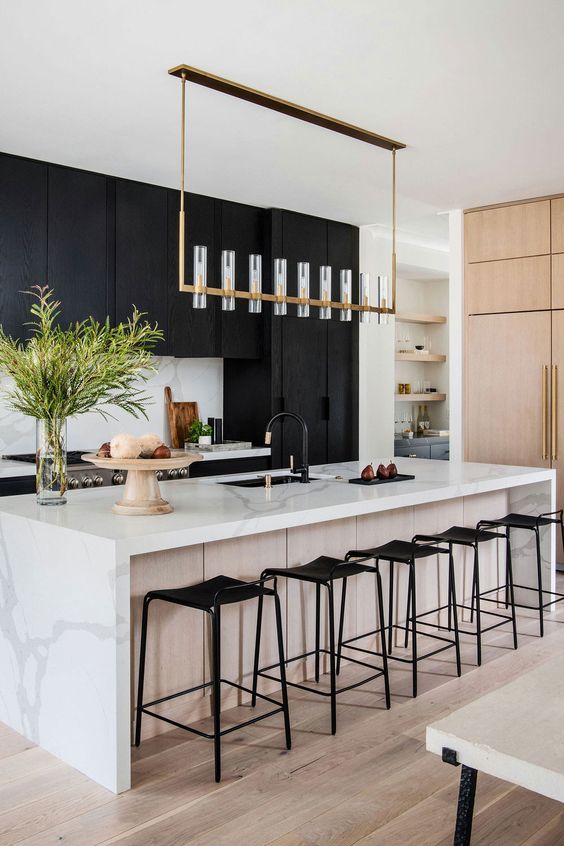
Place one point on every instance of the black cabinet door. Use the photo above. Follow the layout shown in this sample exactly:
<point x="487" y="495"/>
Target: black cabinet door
<point x="304" y="379"/>
<point x="141" y="252"/>
<point x="243" y="229"/>
<point x="304" y="238"/>
<point x="77" y="244"/>
<point x="192" y="333"/>
<point x="23" y="238"/>
<point x="342" y="350"/>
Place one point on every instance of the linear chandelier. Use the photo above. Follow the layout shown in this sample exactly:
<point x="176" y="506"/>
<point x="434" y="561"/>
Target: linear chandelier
<point x="280" y="299"/>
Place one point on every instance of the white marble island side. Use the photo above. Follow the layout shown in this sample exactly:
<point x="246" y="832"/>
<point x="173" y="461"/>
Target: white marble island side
<point x="72" y="581"/>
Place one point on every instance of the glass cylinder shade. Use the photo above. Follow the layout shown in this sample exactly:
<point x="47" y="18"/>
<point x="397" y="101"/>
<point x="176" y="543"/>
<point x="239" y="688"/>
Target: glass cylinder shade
<point x="200" y="276"/>
<point x="346" y="294"/>
<point x="228" y="279"/>
<point x="303" y="288"/>
<point x="364" y="296"/>
<point x="280" y="285"/>
<point x="51" y="461"/>
<point x="255" y="283"/>
<point x="383" y="299"/>
<point x="325" y="291"/>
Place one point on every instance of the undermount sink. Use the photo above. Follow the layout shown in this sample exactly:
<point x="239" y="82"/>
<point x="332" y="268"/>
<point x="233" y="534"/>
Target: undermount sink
<point x="259" y="481"/>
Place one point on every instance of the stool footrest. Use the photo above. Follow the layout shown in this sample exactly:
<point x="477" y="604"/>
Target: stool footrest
<point x="559" y="596"/>
<point x="209" y="736"/>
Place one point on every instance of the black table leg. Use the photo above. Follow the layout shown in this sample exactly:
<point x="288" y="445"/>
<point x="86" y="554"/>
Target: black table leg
<point x="464" y="814"/>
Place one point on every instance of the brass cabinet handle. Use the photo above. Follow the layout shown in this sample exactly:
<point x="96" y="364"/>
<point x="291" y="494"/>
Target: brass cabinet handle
<point x="554" y="416"/>
<point x="544" y="410"/>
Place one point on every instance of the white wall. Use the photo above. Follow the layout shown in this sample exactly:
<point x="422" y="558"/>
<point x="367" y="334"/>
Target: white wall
<point x="456" y="333"/>
<point x="199" y="379"/>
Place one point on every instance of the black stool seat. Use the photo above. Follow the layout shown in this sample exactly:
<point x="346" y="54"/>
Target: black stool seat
<point x="321" y="570"/>
<point x="464" y="535"/>
<point x="523" y="521"/>
<point x="221" y="590"/>
<point x="397" y="550"/>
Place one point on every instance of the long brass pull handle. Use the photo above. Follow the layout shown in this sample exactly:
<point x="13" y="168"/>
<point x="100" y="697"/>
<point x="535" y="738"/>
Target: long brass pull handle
<point x="554" y="434"/>
<point x="544" y="410"/>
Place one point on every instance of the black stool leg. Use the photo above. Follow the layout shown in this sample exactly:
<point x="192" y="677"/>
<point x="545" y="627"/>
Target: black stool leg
<point x="509" y="568"/>
<point x="508" y="558"/>
<point x="282" y="670"/>
<point x="449" y="620"/>
<point x="141" y="684"/>
<point x="478" y="607"/>
<point x="390" y="608"/>
<point x="341" y="625"/>
<point x="216" y="669"/>
<point x="413" y="627"/>
<point x="257" y="651"/>
<point x="539" y="578"/>
<point x="383" y="636"/>
<point x="332" y="672"/>
<point x="473" y="595"/>
<point x="317" y="628"/>
<point x="452" y="598"/>
<point x="407" y="616"/>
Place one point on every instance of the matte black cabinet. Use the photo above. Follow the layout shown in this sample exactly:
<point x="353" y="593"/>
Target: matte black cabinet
<point x="192" y="333"/>
<point x="79" y="245"/>
<point x="141" y="252"/>
<point x="23" y="238"/>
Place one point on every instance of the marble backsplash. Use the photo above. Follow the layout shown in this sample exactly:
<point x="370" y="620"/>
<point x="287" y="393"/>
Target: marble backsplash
<point x="199" y="379"/>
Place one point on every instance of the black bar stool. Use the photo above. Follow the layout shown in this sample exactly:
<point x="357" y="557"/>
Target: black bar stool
<point x="322" y="572"/>
<point x="405" y="552"/>
<point x="532" y="524"/>
<point x="209" y="596"/>
<point x="463" y="536"/>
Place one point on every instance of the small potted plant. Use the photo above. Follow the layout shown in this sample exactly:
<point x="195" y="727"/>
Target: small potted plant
<point x="200" y="433"/>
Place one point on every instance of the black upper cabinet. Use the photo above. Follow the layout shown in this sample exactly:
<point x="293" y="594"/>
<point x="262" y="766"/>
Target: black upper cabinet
<point x="141" y="252"/>
<point x="244" y="229"/>
<point x="23" y="238"/>
<point x="304" y="238"/>
<point x="342" y="350"/>
<point x="78" y="244"/>
<point x="192" y="332"/>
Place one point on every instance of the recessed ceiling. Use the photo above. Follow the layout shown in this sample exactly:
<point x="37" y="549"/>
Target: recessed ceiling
<point x="473" y="88"/>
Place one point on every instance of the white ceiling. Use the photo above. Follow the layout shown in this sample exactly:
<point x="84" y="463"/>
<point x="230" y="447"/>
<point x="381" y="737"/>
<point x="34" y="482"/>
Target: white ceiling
<point x="474" y="87"/>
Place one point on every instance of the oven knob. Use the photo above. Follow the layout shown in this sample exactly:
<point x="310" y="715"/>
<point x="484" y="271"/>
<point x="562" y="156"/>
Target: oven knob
<point x="183" y="473"/>
<point x="173" y="474"/>
<point x="73" y="483"/>
<point x="86" y="482"/>
<point x="98" y="481"/>
<point x="118" y="478"/>
<point x="160" y="475"/>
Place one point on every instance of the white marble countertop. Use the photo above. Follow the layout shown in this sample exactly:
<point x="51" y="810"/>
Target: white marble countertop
<point x="207" y="511"/>
<point x="10" y="469"/>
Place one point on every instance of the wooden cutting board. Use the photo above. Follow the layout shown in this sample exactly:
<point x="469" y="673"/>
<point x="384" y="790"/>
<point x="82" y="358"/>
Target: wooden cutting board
<point x="180" y="416"/>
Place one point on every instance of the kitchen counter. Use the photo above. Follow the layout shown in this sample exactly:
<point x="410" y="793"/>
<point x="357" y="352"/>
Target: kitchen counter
<point x="9" y="469"/>
<point x="72" y="580"/>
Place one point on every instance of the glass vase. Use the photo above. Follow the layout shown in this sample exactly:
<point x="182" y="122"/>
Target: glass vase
<point x="51" y="462"/>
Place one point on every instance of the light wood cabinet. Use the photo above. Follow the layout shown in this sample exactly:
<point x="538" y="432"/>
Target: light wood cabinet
<point x="508" y="232"/>
<point x="521" y="284"/>
<point x="557" y="397"/>
<point x="506" y="354"/>
<point x="557" y="224"/>
<point x="558" y="280"/>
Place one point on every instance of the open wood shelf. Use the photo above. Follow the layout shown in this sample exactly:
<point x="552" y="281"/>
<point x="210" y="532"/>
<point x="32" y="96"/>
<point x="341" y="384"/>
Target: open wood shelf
<point x="412" y="317"/>
<point x="434" y="397"/>
<point x="421" y="357"/>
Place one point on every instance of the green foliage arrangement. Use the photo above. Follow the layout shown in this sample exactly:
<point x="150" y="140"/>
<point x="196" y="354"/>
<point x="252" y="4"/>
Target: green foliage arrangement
<point x="197" y="429"/>
<point x="59" y="373"/>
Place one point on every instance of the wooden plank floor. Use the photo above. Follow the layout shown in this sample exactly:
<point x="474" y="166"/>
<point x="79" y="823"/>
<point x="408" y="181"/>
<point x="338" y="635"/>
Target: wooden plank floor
<point x="373" y="784"/>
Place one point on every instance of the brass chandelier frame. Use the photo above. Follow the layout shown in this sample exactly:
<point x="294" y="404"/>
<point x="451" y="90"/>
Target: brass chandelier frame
<point x="189" y="74"/>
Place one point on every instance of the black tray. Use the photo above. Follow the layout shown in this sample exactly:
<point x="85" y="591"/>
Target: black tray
<point x="401" y="477"/>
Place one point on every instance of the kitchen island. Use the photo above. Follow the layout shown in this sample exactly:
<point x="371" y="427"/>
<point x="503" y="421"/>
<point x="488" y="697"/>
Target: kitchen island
<point x="72" y="580"/>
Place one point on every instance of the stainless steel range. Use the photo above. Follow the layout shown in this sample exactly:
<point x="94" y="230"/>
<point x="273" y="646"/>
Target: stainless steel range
<point x="82" y="474"/>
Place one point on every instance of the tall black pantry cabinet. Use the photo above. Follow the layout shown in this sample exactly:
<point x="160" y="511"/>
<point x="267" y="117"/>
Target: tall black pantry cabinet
<point x="309" y="366"/>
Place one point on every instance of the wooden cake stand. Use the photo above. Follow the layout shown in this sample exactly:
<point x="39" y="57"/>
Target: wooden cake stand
<point x="141" y="494"/>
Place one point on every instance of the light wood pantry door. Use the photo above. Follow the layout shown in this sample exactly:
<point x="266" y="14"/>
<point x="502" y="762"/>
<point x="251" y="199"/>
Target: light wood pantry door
<point x="506" y="357"/>
<point x="557" y="418"/>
